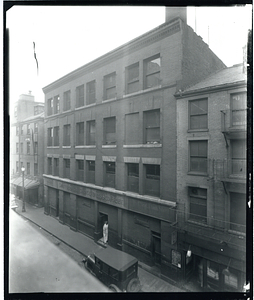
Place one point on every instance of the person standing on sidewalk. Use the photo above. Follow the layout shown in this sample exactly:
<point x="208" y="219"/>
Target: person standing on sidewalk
<point x="105" y="232"/>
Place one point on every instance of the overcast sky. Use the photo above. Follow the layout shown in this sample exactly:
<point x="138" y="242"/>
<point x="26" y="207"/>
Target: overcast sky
<point x="68" y="37"/>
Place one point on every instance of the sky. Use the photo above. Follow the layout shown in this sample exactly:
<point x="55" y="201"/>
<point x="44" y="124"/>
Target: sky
<point x="68" y="37"/>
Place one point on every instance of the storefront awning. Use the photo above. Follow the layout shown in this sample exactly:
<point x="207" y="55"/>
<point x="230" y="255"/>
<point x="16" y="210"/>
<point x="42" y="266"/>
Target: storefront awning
<point x="28" y="183"/>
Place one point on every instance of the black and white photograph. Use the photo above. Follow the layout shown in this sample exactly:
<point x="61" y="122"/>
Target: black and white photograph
<point x="129" y="149"/>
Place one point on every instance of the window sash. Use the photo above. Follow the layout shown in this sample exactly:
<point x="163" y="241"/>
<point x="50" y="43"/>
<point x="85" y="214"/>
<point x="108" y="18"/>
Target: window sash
<point x="91" y="132"/>
<point x="110" y="131"/>
<point x="67" y="100"/>
<point x="91" y="92"/>
<point x="67" y="136"/>
<point x="198" y="114"/>
<point x="80" y="96"/>
<point x="90" y="171"/>
<point x="152" y="68"/>
<point x="238" y="212"/>
<point x="152" y="126"/>
<point x="133" y="178"/>
<point x="56" y="166"/>
<point x="80" y="133"/>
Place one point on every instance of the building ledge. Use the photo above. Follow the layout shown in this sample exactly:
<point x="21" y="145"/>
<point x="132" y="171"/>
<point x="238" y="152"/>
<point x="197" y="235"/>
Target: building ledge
<point x="85" y="146"/>
<point x="114" y="191"/>
<point x="157" y="145"/>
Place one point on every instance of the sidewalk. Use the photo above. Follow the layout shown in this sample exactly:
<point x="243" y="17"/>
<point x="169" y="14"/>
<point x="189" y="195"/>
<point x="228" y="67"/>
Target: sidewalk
<point x="82" y="243"/>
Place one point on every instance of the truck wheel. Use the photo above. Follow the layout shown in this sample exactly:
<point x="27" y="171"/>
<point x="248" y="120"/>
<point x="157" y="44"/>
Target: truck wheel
<point x="114" y="288"/>
<point x="134" y="285"/>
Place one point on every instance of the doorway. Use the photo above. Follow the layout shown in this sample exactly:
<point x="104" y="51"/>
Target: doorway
<point x="156" y="248"/>
<point x="102" y="219"/>
<point x="57" y="203"/>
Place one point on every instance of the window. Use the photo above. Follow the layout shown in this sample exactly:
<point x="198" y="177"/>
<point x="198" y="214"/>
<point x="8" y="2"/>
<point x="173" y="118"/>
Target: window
<point x="198" y="156"/>
<point x="110" y="174"/>
<point x="238" y="212"/>
<point x="90" y="133"/>
<point x="80" y="170"/>
<point x="198" y="114"/>
<point x="22" y="129"/>
<point x="50" y="106"/>
<point x="110" y="130"/>
<point x="17" y="147"/>
<point x="28" y="168"/>
<point x="133" y="177"/>
<point x="238" y="150"/>
<point x="50" y="165"/>
<point x="67" y="163"/>
<point x="35" y="127"/>
<point x="80" y="96"/>
<point x="36" y="111"/>
<point x="17" y="130"/>
<point x="17" y="166"/>
<point x="152" y="68"/>
<point x="198" y="204"/>
<point x="28" y="128"/>
<point x="132" y="78"/>
<point x="90" y="92"/>
<point x="56" y="104"/>
<point x="132" y="129"/>
<point x="50" y="136"/>
<point x="35" y="147"/>
<point x="56" y="136"/>
<point x="35" y="169"/>
<point x="90" y="178"/>
<point x="67" y="135"/>
<point x="28" y="147"/>
<point x="152" y="126"/>
<point x="238" y="106"/>
<point x="67" y="100"/>
<point x="80" y="133"/>
<point x="56" y="166"/>
<point x="152" y="180"/>
<point x="15" y="111"/>
<point x="110" y="86"/>
<point x="21" y="148"/>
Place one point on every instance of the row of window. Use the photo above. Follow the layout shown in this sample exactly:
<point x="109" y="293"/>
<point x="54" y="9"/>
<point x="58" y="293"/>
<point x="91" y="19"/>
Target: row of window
<point x="198" y="112"/>
<point x="28" y="148"/>
<point x="27" y="168"/>
<point x="198" y="208"/>
<point x="151" y="125"/>
<point x="85" y="172"/>
<point x="151" y="78"/>
<point x="28" y="129"/>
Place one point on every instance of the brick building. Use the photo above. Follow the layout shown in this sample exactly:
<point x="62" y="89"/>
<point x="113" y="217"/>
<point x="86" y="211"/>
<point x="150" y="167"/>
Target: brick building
<point x="27" y="149"/>
<point x="211" y="180"/>
<point x="110" y="132"/>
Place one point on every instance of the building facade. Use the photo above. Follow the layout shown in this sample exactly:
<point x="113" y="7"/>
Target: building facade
<point x="27" y="149"/>
<point x="211" y="181"/>
<point x="110" y="138"/>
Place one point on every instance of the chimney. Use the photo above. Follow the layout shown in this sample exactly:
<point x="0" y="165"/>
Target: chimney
<point x="174" y="12"/>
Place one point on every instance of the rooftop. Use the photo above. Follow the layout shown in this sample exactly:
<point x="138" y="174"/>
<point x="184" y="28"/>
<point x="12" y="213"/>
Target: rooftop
<point x="231" y="75"/>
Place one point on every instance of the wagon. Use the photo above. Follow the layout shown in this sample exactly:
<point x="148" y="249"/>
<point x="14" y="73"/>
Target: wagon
<point x="116" y="269"/>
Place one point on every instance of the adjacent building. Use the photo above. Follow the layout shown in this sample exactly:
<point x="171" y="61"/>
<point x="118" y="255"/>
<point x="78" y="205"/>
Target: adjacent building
<point x="211" y="181"/>
<point x="27" y="149"/>
<point x="111" y="137"/>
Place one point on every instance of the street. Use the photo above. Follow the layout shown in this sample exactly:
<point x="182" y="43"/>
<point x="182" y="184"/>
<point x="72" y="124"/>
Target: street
<point x="149" y="282"/>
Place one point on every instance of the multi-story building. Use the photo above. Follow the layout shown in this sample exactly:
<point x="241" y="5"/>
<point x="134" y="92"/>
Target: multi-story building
<point x="110" y="132"/>
<point x="211" y="180"/>
<point x="27" y="149"/>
